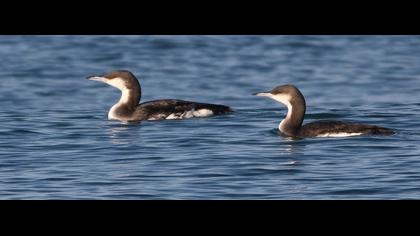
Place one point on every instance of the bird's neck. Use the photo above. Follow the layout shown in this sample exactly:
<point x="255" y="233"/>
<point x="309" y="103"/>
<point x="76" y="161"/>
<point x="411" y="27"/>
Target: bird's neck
<point x="129" y="98"/>
<point x="126" y="105"/>
<point x="291" y="124"/>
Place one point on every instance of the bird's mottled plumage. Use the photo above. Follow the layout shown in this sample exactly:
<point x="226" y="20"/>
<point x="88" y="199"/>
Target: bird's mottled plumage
<point x="329" y="127"/>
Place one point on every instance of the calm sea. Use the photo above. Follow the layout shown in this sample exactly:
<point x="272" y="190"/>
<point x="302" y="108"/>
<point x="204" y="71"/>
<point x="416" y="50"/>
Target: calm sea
<point x="56" y="141"/>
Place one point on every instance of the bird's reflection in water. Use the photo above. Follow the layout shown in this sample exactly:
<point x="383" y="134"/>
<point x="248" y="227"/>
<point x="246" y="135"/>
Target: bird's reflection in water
<point x="289" y="145"/>
<point x="122" y="133"/>
<point x="291" y="148"/>
<point x="293" y="151"/>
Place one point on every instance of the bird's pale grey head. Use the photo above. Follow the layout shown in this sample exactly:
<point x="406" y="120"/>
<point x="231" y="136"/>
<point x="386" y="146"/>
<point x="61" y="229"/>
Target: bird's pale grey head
<point x="282" y="93"/>
<point x="121" y="79"/>
<point x="285" y="89"/>
<point x="126" y="82"/>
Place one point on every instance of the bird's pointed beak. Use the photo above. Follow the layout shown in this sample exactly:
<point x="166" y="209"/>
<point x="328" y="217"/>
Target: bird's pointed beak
<point x="262" y="94"/>
<point x="97" y="78"/>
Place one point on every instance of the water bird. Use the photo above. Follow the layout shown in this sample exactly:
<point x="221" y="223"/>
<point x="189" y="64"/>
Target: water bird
<point x="128" y="109"/>
<point x="291" y="125"/>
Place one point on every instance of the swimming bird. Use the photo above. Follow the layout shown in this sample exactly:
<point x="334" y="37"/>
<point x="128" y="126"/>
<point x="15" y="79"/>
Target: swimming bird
<point x="128" y="108"/>
<point x="292" y="126"/>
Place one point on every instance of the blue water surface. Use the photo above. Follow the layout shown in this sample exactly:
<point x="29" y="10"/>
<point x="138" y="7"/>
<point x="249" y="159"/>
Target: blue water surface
<point x="56" y="141"/>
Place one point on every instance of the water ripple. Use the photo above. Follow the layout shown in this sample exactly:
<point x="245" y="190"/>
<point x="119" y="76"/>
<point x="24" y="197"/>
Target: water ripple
<point x="56" y="141"/>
